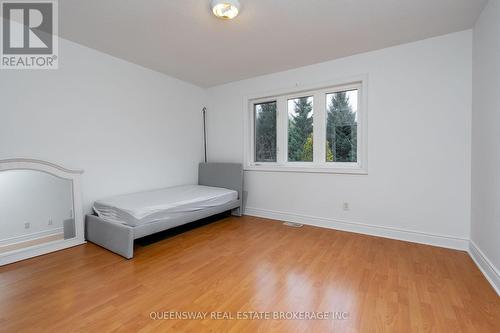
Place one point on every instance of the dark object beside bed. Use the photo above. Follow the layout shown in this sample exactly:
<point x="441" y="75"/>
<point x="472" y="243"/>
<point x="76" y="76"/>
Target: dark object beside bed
<point x="119" y="238"/>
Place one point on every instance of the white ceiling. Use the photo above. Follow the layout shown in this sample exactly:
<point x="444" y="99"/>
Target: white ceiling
<point x="183" y="39"/>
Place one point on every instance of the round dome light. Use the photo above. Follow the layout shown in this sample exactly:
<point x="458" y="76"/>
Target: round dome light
<point x="225" y="9"/>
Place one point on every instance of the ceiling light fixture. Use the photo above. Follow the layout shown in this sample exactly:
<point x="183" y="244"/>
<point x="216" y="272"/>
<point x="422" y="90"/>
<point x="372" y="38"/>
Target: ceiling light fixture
<point x="225" y="9"/>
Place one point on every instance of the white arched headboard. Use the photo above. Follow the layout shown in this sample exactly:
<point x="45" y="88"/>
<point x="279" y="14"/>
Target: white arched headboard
<point x="75" y="224"/>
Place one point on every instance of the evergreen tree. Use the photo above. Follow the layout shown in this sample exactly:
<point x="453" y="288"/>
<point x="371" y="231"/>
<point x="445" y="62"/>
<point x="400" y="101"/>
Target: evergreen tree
<point x="265" y="133"/>
<point x="300" y="128"/>
<point x="341" y="129"/>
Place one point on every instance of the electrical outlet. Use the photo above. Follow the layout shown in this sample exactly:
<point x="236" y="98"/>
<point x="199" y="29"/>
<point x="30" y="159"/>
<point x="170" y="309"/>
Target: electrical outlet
<point x="345" y="206"/>
<point x="50" y="222"/>
<point x="27" y="225"/>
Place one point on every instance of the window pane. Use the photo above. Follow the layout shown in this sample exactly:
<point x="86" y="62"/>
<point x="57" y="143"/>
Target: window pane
<point x="300" y="129"/>
<point x="265" y="132"/>
<point x="342" y="126"/>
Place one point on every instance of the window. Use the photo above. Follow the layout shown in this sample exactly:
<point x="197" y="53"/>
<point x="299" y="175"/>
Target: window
<point x="300" y="129"/>
<point x="342" y="126"/>
<point x="321" y="130"/>
<point x="265" y="132"/>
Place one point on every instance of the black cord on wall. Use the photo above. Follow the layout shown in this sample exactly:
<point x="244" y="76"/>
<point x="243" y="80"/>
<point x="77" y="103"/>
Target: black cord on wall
<point x="205" y="131"/>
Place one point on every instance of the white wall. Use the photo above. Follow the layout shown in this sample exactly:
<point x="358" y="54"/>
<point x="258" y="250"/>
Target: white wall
<point x="419" y="110"/>
<point x="127" y="127"/>
<point x="485" y="231"/>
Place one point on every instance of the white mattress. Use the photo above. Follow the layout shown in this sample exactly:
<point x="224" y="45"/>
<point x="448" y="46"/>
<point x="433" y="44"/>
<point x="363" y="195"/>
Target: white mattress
<point x="147" y="207"/>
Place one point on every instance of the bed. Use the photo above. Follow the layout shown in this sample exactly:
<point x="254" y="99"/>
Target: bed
<point x="118" y="221"/>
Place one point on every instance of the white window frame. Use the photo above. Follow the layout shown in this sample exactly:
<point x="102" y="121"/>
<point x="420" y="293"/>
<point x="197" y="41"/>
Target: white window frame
<point x="318" y="92"/>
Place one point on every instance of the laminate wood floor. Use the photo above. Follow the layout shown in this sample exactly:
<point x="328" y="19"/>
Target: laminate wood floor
<point x="240" y="266"/>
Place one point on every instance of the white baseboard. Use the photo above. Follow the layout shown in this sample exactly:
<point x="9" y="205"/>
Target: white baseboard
<point x="367" y="229"/>
<point x="485" y="265"/>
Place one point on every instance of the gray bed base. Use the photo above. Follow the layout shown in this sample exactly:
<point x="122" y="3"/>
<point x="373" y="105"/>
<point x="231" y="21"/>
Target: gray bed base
<point x="119" y="238"/>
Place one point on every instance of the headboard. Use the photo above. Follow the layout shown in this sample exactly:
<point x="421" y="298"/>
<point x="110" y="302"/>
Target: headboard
<point x="227" y="175"/>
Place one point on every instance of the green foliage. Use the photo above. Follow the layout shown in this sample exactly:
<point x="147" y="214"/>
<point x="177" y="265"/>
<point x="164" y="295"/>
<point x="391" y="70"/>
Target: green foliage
<point x="307" y="150"/>
<point x="265" y="132"/>
<point x="300" y="129"/>
<point x="329" y="153"/>
<point x="341" y="129"/>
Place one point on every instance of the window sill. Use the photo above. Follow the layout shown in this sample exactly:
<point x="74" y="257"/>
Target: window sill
<point x="307" y="169"/>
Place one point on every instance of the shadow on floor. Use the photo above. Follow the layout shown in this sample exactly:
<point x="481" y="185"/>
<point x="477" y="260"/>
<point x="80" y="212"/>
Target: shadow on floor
<point x="159" y="236"/>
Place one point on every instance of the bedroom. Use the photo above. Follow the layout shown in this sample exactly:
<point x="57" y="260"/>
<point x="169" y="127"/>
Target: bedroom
<point x="392" y="216"/>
